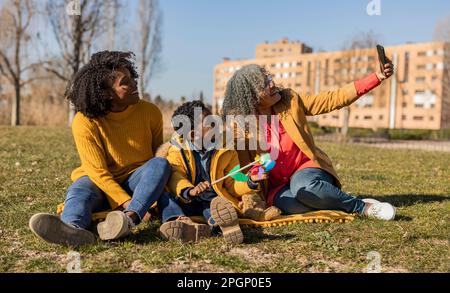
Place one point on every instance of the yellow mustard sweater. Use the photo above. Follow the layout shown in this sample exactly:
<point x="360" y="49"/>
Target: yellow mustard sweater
<point x="114" y="146"/>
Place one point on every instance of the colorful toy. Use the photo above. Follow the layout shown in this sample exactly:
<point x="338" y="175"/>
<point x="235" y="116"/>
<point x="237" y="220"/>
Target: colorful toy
<point x="261" y="165"/>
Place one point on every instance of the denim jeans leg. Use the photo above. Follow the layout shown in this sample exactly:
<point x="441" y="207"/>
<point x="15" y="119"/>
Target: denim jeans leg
<point x="316" y="188"/>
<point x="146" y="185"/>
<point x="206" y="211"/>
<point x="82" y="199"/>
<point x="168" y="207"/>
<point x="288" y="203"/>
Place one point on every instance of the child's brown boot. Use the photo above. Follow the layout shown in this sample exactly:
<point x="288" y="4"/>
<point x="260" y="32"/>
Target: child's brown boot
<point x="225" y="216"/>
<point x="185" y="230"/>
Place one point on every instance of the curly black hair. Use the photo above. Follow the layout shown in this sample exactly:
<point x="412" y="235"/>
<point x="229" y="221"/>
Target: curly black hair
<point x="88" y="89"/>
<point x="187" y="110"/>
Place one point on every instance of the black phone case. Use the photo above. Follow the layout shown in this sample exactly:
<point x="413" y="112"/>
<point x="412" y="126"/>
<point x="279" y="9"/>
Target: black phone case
<point x="381" y="55"/>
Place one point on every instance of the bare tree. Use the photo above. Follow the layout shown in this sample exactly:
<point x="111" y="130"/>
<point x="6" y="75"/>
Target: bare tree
<point x="442" y="30"/>
<point x="349" y="66"/>
<point x="149" y="36"/>
<point x="113" y="7"/>
<point x="75" y="29"/>
<point x="16" y="19"/>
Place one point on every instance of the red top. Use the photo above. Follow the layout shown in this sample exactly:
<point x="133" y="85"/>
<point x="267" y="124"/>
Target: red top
<point x="290" y="158"/>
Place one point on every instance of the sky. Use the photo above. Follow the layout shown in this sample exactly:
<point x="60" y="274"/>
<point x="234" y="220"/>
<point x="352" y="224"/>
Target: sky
<point x="197" y="34"/>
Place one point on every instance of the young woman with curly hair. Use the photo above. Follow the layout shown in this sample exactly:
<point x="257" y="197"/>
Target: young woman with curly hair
<point x="116" y="135"/>
<point x="303" y="179"/>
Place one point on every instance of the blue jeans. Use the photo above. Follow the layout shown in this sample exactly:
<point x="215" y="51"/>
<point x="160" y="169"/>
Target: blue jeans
<point x="146" y="185"/>
<point x="314" y="189"/>
<point x="170" y="207"/>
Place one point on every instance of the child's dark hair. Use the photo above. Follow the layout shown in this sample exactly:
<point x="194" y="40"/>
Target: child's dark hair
<point x="187" y="109"/>
<point x="88" y="88"/>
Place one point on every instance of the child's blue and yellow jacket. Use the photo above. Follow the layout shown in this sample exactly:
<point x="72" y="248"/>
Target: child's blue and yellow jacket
<point x="181" y="158"/>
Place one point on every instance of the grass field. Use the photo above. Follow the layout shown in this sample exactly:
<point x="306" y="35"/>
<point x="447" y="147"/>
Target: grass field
<point x="35" y="164"/>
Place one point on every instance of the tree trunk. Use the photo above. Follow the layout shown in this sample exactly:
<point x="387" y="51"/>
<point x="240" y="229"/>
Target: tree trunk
<point x="77" y="43"/>
<point x="15" y="110"/>
<point x="346" y="114"/>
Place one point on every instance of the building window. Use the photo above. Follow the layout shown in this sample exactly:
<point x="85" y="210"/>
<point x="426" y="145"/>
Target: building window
<point x="298" y="85"/>
<point x="404" y="104"/>
<point x="420" y="79"/>
<point x="365" y="101"/>
<point x="335" y="117"/>
<point x="431" y="118"/>
<point x="368" y="117"/>
<point x="421" y="66"/>
<point x="418" y="118"/>
<point x="298" y="74"/>
<point x="434" y="78"/>
<point x="356" y="117"/>
<point x="286" y="64"/>
<point x="424" y="99"/>
<point x="299" y="63"/>
<point x="380" y="117"/>
<point x="403" y="117"/>
<point x="421" y="54"/>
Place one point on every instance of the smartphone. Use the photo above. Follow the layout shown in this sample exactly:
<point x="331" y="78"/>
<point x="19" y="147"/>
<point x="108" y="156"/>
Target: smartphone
<point x="381" y="56"/>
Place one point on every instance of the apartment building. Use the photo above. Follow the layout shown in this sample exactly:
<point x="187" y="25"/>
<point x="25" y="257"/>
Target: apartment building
<point x="416" y="97"/>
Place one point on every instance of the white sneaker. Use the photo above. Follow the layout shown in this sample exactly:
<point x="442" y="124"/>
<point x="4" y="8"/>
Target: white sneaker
<point x="370" y="200"/>
<point x="382" y="211"/>
<point x="115" y="226"/>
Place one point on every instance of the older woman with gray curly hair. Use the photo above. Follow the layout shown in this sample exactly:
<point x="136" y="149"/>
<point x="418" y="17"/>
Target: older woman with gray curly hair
<point x="303" y="179"/>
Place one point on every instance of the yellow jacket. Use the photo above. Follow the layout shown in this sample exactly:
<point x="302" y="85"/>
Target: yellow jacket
<point x="292" y="110"/>
<point x="222" y="161"/>
<point x="114" y="146"/>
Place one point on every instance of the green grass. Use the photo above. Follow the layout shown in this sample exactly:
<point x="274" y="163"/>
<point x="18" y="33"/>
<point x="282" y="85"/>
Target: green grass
<point x="35" y="164"/>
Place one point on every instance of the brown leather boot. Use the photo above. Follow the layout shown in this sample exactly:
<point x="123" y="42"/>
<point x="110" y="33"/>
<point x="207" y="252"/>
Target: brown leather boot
<point x="184" y="229"/>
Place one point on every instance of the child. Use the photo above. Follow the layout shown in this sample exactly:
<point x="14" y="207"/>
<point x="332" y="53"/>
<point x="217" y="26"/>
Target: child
<point x="194" y="166"/>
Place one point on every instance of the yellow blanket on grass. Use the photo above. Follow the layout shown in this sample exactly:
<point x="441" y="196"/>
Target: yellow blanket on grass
<point x="324" y="216"/>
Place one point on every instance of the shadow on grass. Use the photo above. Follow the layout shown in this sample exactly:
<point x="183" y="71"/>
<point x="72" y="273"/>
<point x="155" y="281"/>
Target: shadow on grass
<point x="401" y="218"/>
<point x="256" y="235"/>
<point x="404" y="200"/>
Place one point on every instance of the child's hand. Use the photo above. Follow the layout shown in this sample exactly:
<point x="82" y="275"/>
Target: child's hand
<point x="201" y="187"/>
<point x="259" y="177"/>
<point x="257" y="173"/>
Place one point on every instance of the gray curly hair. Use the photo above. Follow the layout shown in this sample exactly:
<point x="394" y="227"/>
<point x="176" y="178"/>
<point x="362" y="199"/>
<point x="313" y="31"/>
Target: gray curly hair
<point x="243" y="90"/>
